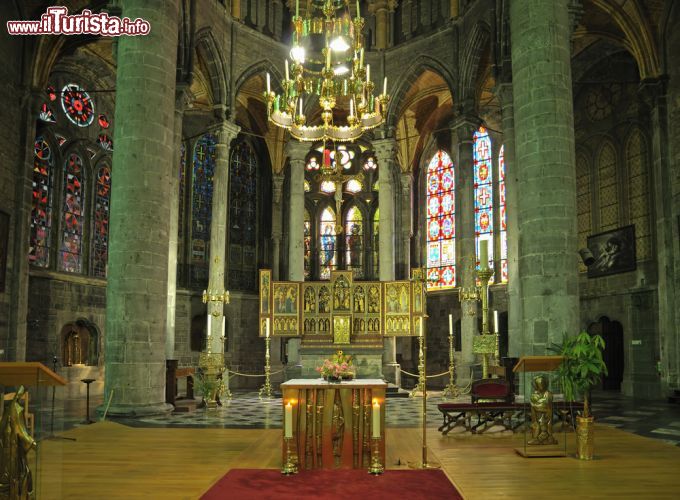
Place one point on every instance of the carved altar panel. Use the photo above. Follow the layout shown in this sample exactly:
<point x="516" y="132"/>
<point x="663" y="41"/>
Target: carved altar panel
<point x="286" y="308"/>
<point x="397" y="307"/>
<point x="341" y="329"/>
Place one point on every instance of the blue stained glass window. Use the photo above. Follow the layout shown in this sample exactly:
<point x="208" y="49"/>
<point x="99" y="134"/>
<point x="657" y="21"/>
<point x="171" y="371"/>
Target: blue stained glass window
<point x="72" y="216"/>
<point x="354" y="236"/>
<point x="441" y="222"/>
<point x="243" y="218"/>
<point x="483" y="192"/>
<point x="41" y="210"/>
<point x="201" y="206"/>
<point x="328" y="256"/>
<point x="100" y="239"/>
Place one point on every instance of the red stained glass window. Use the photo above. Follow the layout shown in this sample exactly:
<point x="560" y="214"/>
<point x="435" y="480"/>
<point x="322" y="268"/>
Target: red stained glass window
<point x="483" y="192"/>
<point x="441" y="222"/>
<point x="41" y="209"/>
<point x="71" y="244"/>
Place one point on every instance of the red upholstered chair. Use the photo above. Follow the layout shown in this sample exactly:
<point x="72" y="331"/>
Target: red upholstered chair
<point x="491" y="390"/>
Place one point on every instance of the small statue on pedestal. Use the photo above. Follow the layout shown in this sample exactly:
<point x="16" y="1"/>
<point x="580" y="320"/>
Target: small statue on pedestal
<point x="541" y="413"/>
<point x="16" y="481"/>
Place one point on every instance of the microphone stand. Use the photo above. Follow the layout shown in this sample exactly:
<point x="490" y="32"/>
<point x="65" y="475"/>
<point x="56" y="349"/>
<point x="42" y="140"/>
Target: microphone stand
<point x="51" y="434"/>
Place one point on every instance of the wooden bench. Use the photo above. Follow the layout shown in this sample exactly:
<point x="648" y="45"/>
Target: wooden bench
<point x="509" y="415"/>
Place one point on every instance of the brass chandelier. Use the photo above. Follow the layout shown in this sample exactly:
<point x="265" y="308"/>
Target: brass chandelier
<point x="335" y="72"/>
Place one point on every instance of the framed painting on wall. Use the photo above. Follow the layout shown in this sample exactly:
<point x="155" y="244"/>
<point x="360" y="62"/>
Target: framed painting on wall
<point x="614" y="252"/>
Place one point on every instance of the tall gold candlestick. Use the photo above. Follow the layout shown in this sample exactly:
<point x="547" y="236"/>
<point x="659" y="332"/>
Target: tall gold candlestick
<point x="266" y="389"/>
<point x="376" y="467"/>
<point x="451" y="390"/>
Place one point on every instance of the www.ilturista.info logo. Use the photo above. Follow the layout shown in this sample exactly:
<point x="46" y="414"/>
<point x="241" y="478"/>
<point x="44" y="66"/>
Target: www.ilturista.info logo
<point x="56" y="21"/>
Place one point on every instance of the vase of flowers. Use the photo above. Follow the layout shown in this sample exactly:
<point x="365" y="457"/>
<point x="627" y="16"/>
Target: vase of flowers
<point x="337" y="368"/>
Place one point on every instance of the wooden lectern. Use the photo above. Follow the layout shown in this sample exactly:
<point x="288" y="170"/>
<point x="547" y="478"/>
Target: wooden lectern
<point x="526" y="365"/>
<point x="28" y="374"/>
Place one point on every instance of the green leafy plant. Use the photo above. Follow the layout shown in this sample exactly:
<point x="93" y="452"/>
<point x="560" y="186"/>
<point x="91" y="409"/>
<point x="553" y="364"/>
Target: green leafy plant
<point x="582" y="367"/>
<point x="208" y="385"/>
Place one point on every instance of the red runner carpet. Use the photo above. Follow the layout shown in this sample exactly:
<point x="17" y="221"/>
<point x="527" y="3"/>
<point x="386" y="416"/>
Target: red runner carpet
<point x="246" y="484"/>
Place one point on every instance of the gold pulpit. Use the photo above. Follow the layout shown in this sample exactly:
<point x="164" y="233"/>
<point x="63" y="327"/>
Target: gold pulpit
<point x="333" y="424"/>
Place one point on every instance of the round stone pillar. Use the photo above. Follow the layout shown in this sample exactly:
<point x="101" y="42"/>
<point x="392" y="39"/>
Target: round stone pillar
<point x="544" y="160"/>
<point x="143" y="161"/>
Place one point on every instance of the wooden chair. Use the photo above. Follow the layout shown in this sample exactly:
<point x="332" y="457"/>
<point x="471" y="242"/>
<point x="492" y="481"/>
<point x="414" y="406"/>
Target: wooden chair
<point x="29" y="417"/>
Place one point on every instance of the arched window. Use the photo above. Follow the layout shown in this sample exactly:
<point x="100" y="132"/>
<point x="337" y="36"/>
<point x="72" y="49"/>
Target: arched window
<point x="71" y="245"/>
<point x="308" y="245"/>
<point x="201" y="207"/>
<point x="638" y="193"/>
<point x="100" y="238"/>
<point x="328" y="256"/>
<point x="376" y="242"/>
<point x="243" y="218"/>
<point x="583" y="204"/>
<point x="41" y="210"/>
<point x="441" y="222"/>
<point x="354" y="235"/>
<point x="503" y="217"/>
<point x="608" y="188"/>
<point x="483" y="191"/>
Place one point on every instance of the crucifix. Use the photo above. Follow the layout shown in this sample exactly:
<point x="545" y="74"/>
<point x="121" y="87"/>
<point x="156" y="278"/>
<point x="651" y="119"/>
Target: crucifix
<point x="334" y="174"/>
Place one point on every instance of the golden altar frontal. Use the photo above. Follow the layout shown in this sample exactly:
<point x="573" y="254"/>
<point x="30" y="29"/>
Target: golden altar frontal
<point x="341" y="312"/>
<point x="332" y="423"/>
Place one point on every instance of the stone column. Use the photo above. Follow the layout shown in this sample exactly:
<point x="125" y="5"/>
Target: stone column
<point x="226" y="133"/>
<point x="236" y="9"/>
<point x="544" y="157"/>
<point x="462" y="131"/>
<point x="296" y="152"/>
<point x="454" y="11"/>
<point x="180" y="104"/>
<point x="136" y="298"/>
<point x="277" y="222"/>
<point x="406" y="230"/>
<point x="654" y="94"/>
<point x="515" y="346"/>
<point x="386" y="152"/>
<point x="381" y="9"/>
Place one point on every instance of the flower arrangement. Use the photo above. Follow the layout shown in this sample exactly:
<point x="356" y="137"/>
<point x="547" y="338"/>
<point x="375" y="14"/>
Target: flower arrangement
<point x="338" y="366"/>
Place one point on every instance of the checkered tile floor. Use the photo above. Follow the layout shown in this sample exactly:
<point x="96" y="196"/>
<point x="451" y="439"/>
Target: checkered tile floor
<point x="653" y="419"/>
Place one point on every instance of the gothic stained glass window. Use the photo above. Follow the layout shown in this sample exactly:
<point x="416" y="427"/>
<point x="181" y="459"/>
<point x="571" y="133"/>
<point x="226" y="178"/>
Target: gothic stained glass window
<point x="608" y="187"/>
<point x="483" y="192"/>
<point x="308" y="244"/>
<point x="181" y="188"/>
<point x="41" y="210"/>
<point x="100" y="238"/>
<point x="201" y="206"/>
<point x="243" y="218"/>
<point x="77" y="105"/>
<point x="441" y="222"/>
<point x="638" y="193"/>
<point x="328" y="258"/>
<point x="503" y="216"/>
<point x="376" y="243"/>
<point x="72" y="216"/>
<point x="354" y="234"/>
<point x="583" y="204"/>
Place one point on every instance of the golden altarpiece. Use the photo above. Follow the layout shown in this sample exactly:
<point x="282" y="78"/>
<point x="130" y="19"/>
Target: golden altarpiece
<point x="342" y="314"/>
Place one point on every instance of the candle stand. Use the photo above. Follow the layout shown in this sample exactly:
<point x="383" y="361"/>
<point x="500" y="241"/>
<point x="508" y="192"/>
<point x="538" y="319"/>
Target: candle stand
<point x="420" y="386"/>
<point x="266" y="389"/>
<point x="451" y="390"/>
<point x="290" y="465"/>
<point x="376" y="467"/>
<point x="213" y="364"/>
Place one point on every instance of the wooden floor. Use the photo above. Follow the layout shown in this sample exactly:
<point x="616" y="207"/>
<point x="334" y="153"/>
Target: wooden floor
<point x="110" y="461"/>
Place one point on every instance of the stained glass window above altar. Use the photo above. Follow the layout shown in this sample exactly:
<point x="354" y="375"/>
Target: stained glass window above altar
<point x="328" y="256"/>
<point x="354" y="235"/>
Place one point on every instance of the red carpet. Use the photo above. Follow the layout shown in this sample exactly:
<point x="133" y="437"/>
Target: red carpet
<point x="246" y="484"/>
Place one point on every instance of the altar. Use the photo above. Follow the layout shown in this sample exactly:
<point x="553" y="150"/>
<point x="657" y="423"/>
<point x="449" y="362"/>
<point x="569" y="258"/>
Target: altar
<point x="334" y="425"/>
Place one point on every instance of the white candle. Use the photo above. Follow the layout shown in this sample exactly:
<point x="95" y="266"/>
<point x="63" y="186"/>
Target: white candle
<point x="376" y="419"/>
<point x="300" y="106"/>
<point x="269" y="85"/>
<point x="223" y="326"/>
<point x="297" y="8"/>
<point x="451" y="324"/>
<point x="328" y="57"/>
<point x="267" y="328"/>
<point x="368" y="73"/>
<point x="495" y="321"/>
<point x="420" y="329"/>
<point x="209" y="324"/>
<point x="351" y="107"/>
<point x="361" y="57"/>
<point x="288" y="421"/>
<point x="358" y="9"/>
<point x="286" y="60"/>
<point x="384" y="86"/>
<point x="483" y="254"/>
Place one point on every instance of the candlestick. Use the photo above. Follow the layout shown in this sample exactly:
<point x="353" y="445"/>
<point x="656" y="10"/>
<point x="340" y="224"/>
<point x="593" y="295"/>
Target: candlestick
<point x="269" y="86"/>
<point x="483" y="254"/>
<point x="385" y="86"/>
<point x="288" y="421"/>
<point x="495" y="321"/>
<point x="376" y="419"/>
<point x="287" y="75"/>
<point x="300" y="114"/>
<point x="351" y="107"/>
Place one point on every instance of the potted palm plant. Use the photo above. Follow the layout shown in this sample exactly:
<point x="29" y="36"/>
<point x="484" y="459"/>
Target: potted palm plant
<point x="580" y="371"/>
